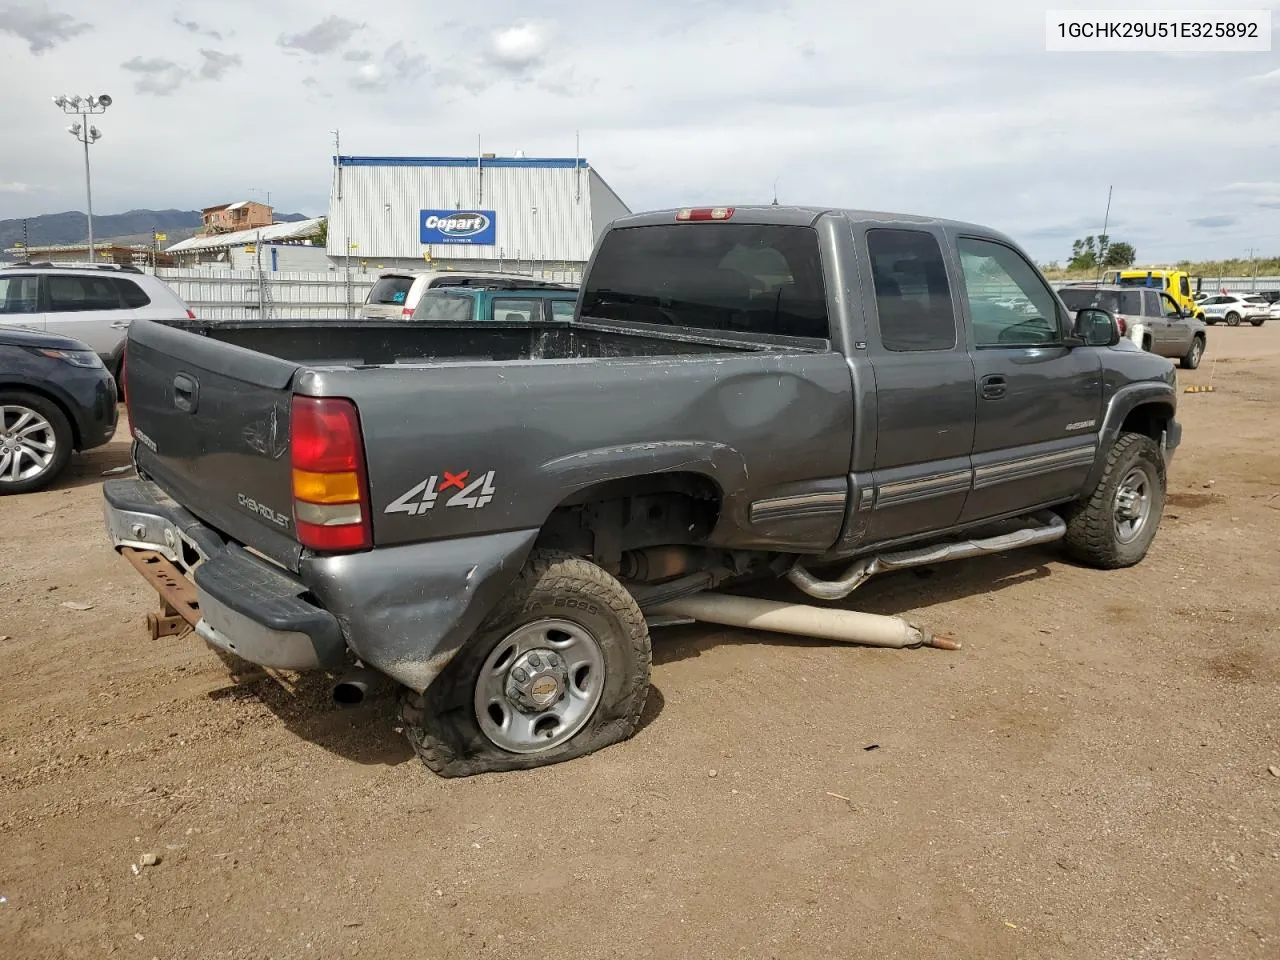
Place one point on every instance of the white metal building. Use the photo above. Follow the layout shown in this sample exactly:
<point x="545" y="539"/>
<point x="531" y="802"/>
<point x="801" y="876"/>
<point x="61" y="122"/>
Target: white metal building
<point x="540" y="215"/>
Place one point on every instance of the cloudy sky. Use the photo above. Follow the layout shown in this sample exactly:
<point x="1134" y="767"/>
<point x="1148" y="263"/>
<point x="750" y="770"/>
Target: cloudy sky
<point x="929" y="107"/>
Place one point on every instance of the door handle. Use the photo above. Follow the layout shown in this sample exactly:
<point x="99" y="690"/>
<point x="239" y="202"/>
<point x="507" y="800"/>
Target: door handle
<point x="994" y="387"/>
<point x="186" y="393"/>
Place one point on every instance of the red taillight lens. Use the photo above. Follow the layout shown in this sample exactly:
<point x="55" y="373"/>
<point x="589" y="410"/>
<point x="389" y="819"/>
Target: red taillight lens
<point x="331" y="491"/>
<point x="191" y="314"/>
<point x="1123" y="325"/>
<point x="406" y="313"/>
<point x="704" y="213"/>
<point x="325" y="435"/>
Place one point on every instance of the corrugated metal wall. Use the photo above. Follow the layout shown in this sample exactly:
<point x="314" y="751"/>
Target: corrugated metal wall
<point x="543" y="214"/>
<point x="216" y="293"/>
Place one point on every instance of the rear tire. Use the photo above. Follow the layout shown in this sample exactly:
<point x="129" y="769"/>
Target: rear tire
<point x="1192" y="359"/>
<point x="558" y="603"/>
<point x="1258" y="323"/>
<point x="35" y="441"/>
<point x="1114" y="526"/>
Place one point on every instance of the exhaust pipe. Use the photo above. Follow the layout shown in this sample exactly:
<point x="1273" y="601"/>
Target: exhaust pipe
<point x="351" y="689"/>
<point x="845" y="626"/>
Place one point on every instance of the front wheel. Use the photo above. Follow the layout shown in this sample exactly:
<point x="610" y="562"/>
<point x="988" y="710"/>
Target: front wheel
<point x="1113" y="527"/>
<point x="1233" y="319"/>
<point x="558" y="670"/>
<point x="1192" y="358"/>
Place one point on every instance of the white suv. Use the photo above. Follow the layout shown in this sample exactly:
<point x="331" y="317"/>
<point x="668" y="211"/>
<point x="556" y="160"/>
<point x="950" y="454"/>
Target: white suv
<point x="1231" y="308"/>
<point x="396" y="293"/>
<point x="93" y="303"/>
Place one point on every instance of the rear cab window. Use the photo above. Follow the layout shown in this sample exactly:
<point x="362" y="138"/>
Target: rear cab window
<point x="562" y="309"/>
<point x="390" y="291"/>
<point x="913" y="298"/>
<point x="736" y="277"/>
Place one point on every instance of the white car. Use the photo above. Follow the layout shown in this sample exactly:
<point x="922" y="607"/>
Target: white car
<point x="1231" y="309"/>
<point x="93" y="303"/>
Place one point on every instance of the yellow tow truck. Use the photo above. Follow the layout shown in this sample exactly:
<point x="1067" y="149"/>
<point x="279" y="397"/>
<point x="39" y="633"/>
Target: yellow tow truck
<point x="1177" y="283"/>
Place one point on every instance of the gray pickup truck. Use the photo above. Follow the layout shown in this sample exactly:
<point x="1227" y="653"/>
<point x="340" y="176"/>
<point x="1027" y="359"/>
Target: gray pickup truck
<point x="485" y="512"/>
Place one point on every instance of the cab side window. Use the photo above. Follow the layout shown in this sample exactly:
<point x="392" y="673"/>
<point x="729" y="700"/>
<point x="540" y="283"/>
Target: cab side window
<point x="1009" y="303"/>
<point x="1169" y="308"/>
<point x="913" y="298"/>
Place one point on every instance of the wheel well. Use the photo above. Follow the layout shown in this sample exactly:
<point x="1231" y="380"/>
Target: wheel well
<point x="605" y="520"/>
<point x="45" y="394"/>
<point x="1149" y="419"/>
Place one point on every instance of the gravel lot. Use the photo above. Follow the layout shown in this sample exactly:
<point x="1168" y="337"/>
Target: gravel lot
<point x="1088" y="777"/>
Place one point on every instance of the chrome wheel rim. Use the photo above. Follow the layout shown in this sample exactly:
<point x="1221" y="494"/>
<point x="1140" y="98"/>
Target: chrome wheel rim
<point x="1197" y="348"/>
<point x="1132" y="508"/>
<point x="27" y="443"/>
<point x="539" y="686"/>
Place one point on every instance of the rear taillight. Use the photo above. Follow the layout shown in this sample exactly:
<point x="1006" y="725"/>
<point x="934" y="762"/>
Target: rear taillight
<point x="1123" y="324"/>
<point x="406" y="313"/>
<point x="705" y="213"/>
<point x="191" y="314"/>
<point x="330" y="489"/>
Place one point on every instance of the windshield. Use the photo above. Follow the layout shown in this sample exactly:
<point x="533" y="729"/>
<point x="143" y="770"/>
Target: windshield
<point x="1117" y="301"/>
<point x="757" y="278"/>
<point x="391" y="291"/>
<point x="1157" y="283"/>
<point x="443" y="306"/>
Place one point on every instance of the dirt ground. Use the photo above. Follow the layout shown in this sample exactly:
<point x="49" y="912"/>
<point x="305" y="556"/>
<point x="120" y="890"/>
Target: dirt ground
<point x="1088" y="777"/>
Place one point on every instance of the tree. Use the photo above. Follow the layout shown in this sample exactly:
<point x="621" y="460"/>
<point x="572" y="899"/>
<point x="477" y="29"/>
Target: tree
<point x="1120" y="254"/>
<point x="321" y="237"/>
<point x="1084" y="254"/>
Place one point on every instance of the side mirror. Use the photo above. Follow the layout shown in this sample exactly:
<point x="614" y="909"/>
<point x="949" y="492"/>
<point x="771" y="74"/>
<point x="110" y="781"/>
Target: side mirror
<point x="1097" y="327"/>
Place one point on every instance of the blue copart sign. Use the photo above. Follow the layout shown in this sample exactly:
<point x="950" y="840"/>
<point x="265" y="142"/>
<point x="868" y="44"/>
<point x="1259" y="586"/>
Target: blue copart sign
<point x="459" y="226"/>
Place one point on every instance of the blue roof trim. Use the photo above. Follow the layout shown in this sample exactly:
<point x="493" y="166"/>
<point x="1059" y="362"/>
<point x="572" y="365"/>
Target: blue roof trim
<point x="531" y="162"/>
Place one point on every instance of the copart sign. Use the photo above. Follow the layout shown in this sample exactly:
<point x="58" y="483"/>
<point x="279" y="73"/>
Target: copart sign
<point x="459" y="226"/>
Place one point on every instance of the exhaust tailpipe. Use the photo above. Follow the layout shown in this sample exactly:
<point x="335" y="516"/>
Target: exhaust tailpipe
<point x="352" y="688"/>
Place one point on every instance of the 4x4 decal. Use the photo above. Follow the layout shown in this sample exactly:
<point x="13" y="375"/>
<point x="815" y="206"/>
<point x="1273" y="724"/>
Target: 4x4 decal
<point x="423" y="496"/>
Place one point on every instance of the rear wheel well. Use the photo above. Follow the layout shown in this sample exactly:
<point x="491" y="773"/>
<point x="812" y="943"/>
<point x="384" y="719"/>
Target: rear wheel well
<point x="45" y="394"/>
<point x="608" y="519"/>
<point x="1149" y="419"/>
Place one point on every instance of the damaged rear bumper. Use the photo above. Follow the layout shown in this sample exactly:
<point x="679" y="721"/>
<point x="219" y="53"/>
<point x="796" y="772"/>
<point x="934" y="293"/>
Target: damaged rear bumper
<point x="403" y="610"/>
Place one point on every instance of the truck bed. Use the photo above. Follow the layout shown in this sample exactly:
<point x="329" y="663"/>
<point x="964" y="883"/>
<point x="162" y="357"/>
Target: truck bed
<point x="370" y="343"/>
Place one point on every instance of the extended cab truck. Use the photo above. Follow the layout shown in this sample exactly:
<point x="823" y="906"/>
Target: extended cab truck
<point x="484" y="511"/>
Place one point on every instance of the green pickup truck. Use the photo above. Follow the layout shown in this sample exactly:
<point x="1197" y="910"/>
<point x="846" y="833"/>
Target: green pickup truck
<point x="467" y="303"/>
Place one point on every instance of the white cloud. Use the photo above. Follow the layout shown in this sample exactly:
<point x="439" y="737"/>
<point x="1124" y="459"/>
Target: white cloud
<point x="520" y="45"/>
<point x="14" y="187"/>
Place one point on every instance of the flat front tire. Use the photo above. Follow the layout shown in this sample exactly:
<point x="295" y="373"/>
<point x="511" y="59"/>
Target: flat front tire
<point x="1116" y="523"/>
<point x="558" y="670"/>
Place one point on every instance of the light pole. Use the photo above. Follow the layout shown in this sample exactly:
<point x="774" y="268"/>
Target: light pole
<point x="86" y="133"/>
